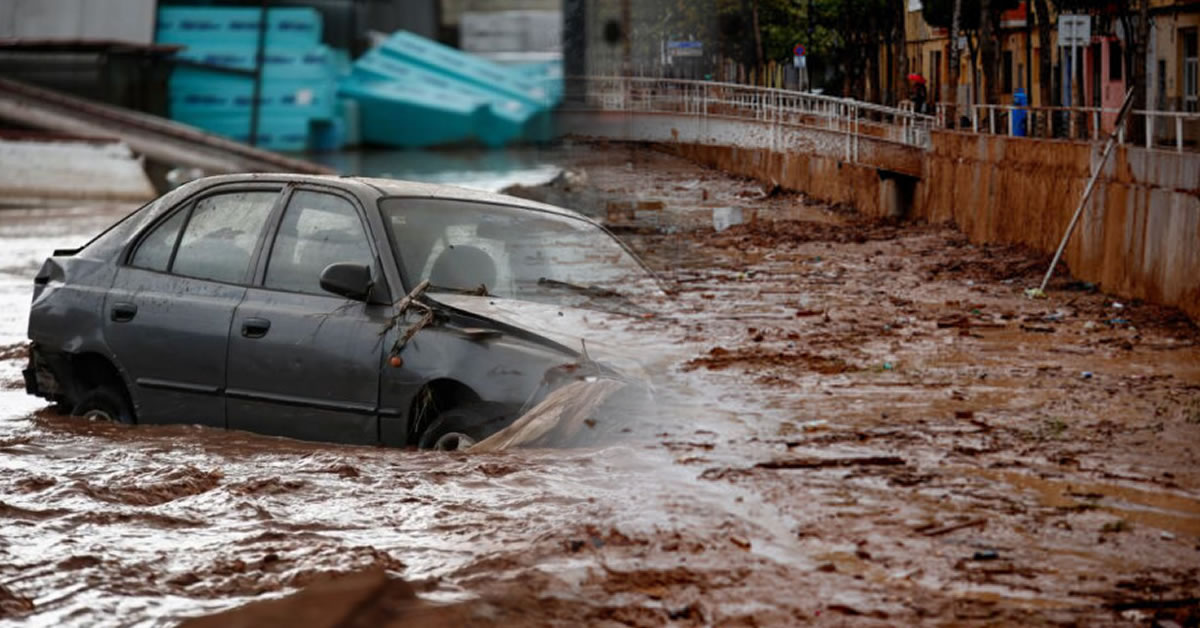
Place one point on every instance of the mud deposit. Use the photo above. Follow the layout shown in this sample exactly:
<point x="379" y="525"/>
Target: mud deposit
<point x="867" y="423"/>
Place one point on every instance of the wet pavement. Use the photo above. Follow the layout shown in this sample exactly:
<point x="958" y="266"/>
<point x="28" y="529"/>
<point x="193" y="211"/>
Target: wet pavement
<point x="865" y="423"/>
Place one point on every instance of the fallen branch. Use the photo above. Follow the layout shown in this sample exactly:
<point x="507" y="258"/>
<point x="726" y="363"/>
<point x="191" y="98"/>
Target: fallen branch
<point x="1135" y="604"/>
<point x="822" y="463"/>
<point x="957" y="526"/>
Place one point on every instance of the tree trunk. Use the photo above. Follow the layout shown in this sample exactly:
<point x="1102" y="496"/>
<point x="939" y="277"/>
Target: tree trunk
<point x="973" y="51"/>
<point x="758" y="48"/>
<point x="900" y="52"/>
<point x="1045" y="67"/>
<point x="987" y="45"/>
<point x="1137" y="71"/>
<point x="955" y="65"/>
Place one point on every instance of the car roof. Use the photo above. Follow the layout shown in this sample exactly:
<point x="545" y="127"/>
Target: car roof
<point x="397" y="187"/>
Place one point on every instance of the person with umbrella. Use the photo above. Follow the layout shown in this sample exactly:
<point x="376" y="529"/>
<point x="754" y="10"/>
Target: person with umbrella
<point x="919" y="93"/>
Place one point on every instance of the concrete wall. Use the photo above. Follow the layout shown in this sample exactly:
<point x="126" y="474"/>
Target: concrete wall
<point x="126" y="20"/>
<point x="1139" y="236"/>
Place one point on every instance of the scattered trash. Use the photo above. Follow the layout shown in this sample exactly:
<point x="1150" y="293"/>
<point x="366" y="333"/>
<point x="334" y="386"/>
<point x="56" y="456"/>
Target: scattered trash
<point x="1035" y="293"/>
<point x="726" y="217"/>
<point x="1120" y="525"/>
<point x="1114" y="322"/>
<point x="740" y="542"/>
<point x="1090" y="325"/>
<point x="985" y="555"/>
<point x="888" y="366"/>
<point x="812" y="426"/>
<point x="1166" y="535"/>
<point x="1086" y="375"/>
<point x="1118" y="306"/>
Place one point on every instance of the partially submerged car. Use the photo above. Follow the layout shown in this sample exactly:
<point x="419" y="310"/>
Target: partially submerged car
<point x="333" y="308"/>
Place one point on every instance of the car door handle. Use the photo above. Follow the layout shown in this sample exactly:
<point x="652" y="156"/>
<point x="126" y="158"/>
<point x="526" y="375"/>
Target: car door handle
<point x="255" y="327"/>
<point x="123" y="312"/>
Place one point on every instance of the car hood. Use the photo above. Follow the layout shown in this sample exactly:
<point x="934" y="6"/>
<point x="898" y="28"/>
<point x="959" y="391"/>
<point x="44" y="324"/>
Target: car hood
<point x="609" y="337"/>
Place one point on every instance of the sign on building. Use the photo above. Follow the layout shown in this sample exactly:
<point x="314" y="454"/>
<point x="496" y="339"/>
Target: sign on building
<point x="685" y="49"/>
<point x="1074" y="30"/>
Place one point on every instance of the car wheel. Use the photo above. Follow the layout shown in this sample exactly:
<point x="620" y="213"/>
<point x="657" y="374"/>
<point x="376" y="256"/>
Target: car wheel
<point x="103" y="404"/>
<point x="459" y="428"/>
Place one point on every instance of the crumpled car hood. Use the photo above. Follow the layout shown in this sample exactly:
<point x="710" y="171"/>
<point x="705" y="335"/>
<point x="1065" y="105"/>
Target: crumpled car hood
<point x="607" y="335"/>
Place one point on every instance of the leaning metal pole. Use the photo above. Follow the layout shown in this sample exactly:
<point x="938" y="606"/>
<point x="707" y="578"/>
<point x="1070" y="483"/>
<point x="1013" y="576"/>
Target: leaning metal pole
<point x="1087" y="192"/>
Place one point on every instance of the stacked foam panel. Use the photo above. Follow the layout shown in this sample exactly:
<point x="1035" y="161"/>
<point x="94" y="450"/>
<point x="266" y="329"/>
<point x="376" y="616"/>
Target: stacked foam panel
<point x="415" y="92"/>
<point x="299" y="75"/>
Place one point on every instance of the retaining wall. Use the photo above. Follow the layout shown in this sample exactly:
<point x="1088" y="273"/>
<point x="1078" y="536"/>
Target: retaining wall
<point x="1139" y="237"/>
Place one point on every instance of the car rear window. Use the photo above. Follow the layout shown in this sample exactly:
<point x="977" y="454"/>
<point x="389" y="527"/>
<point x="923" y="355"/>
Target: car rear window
<point x="221" y="234"/>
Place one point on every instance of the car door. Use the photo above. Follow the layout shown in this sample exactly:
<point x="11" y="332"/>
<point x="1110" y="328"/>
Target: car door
<point x="304" y="362"/>
<point x="169" y="309"/>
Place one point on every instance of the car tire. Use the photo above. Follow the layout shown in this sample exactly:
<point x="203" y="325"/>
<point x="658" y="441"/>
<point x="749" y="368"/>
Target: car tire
<point x="458" y="428"/>
<point x="104" y="404"/>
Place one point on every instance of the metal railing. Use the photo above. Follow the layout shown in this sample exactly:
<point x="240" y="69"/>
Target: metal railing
<point x="851" y="118"/>
<point x="855" y="119"/>
<point x="1178" y="130"/>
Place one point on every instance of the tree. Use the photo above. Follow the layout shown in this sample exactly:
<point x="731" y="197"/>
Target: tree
<point x="940" y="13"/>
<point x="1042" y="11"/>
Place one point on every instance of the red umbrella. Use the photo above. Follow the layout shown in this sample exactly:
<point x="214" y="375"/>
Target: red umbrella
<point x="916" y="78"/>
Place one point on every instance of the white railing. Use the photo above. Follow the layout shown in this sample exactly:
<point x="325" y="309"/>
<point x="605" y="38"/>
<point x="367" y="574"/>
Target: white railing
<point x="1179" y="130"/>
<point x="851" y="118"/>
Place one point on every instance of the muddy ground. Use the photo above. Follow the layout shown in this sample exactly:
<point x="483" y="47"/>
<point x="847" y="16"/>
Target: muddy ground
<point x="867" y="424"/>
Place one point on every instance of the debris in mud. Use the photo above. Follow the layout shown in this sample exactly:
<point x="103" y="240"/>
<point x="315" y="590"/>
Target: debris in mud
<point x="719" y="358"/>
<point x="12" y="605"/>
<point x="936" y="530"/>
<point x="18" y="351"/>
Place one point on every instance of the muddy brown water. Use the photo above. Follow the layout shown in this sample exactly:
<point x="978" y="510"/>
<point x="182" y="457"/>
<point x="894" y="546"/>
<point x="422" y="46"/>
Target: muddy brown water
<point x="865" y="423"/>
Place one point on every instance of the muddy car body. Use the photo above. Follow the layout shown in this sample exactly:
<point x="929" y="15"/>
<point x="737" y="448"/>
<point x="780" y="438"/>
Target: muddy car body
<point x="323" y="308"/>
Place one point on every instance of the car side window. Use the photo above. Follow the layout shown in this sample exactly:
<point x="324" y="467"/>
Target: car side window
<point x="317" y="230"/>
<point x="154" y="252"/>
<point x="221" y="234"/>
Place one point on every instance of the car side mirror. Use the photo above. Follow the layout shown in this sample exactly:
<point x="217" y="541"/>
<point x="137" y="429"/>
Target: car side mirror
<point x="352" y="281"/>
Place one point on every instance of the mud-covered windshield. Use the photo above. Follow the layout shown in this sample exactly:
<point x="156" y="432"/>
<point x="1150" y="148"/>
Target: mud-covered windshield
<point x="470" y="247"/>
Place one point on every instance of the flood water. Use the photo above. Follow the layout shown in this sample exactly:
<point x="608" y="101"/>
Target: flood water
<point x="854" y="414"/>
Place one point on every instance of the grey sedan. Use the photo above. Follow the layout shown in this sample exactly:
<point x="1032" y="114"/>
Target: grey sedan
<point x="337" y="309"/>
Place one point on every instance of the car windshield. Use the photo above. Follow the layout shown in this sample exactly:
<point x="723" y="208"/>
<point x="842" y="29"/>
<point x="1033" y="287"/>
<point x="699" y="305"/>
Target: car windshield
<point x="475" y="248"/>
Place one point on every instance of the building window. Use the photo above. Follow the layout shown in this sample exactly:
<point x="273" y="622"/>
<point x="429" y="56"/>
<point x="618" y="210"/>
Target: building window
<point x="1006" y="72"/>
<point x="1115" y="60"/>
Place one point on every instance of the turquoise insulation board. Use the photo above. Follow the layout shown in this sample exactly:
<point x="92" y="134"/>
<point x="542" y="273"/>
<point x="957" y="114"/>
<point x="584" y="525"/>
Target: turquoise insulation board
<point x="237" y="26"/>
<point x="316" y="62"/>
<point x="502" y="120"/>
<point x="468" y="68"/>
<point x="192" y="90"/>
<point x="395" y="113"/>
<point x="275" y="132"/>
<point x="299" y="74"/>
